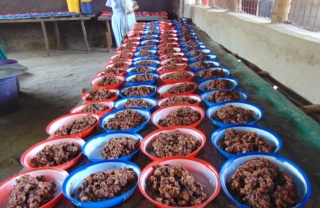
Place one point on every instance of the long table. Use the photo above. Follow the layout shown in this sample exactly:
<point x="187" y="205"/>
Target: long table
<point x="138" y="18"/>
<point x="55" y="20"/>
<point x="297" y="131"/>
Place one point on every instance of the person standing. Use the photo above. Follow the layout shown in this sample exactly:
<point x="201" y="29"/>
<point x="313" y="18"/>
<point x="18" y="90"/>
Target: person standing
<point x="123" y="17"/>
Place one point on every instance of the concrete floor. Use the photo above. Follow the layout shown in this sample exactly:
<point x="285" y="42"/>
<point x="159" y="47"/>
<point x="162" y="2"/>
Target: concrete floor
<point x="49" y="89"/>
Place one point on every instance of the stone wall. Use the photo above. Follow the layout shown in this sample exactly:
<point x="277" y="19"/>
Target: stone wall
<point x="289" y="54"/>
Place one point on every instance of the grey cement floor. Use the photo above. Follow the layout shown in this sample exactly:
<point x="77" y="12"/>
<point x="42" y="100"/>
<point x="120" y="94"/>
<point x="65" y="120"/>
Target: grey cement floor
<point x="49" y="89"/>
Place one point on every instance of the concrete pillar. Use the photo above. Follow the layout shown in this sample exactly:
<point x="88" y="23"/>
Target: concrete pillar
<point x="234" y="5"/>
<point x="280" y="11"/>
<point x="213" y="4"/>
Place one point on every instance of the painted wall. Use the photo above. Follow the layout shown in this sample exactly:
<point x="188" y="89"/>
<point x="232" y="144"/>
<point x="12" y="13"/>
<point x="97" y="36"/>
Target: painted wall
<point x="291" y="55"/>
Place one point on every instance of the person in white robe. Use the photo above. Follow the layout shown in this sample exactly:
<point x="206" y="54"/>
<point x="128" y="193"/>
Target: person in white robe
<point x="118" y="20"/>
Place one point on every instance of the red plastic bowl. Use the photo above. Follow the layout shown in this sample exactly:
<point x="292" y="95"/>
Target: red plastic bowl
<point x="163" y="112"/>
<point x="146" y="144"/>
<point x="193" y="96"/>
<point x="66" y="119"/>
<point x="32" y="151"/>
<point x="55" y="175"/>
<point x="183" y="60"/>
<point x="201" y="170"/>
<point x="162" y="52"/>
<point x="117" y="55"/>
<point x="176" y="55"/>
<point x="86" y="94"/>
<point x="166" y="81"/>
<point x="181" y="67"/>
<point x="163" y="89"/>
<point x="128" y="64"/>
<point x="110" y="104"/>
<point x="103" y="72"/>
<point x="94" y="81"/>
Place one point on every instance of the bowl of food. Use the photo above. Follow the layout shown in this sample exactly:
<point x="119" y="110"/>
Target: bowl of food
<point x="178" y="116"/>
<point x="278" y="181"/>
<point x="112" y="146"/>
<point x="174" y="60"/>
<point x="138" y="91"/>
<point x="147" y="62"/>
<point x="119" y="65"/>
<point x="60" y="152"/>
<point x="215" y="97"/>
<point x="174" y="77"/>
<point x="150" y="42"/>
<point x="147" y="103"/>
<point x="205" y="64"/>
<point x="172" y="68"/>
<point x="140" y="70"/>
<point x="77" y="124"/>
<point x="100" y="95"/>
<point x="203" y="175"/>
<point x="108" y="81"/>
<point x="180" y="88"/>
<point x="46" y="181"/>
<point x="234" y="113"/>
<point x="99" y="108"/>
<point x="240" y="139"/>
<point x="212" y="73"/>
<point x="202" y="57"/>
<point x="197" y="52"/>
<point x="218" y="83"/>
<point x="167" y="50"/>
<point x="184" y="141"/>
<point x="172" y="55"/>
<point x="191" y="99"/>
<point x="142" y="78"/>
<point x="76" y="187"/>
<point x="133" y="119"/>
<point x="112" y="70"/>
<point x="121" y="56"/>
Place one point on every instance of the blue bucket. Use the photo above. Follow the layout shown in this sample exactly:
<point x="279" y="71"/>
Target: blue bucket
<point x="86" y="8"/>
<point x="8" y="95"/>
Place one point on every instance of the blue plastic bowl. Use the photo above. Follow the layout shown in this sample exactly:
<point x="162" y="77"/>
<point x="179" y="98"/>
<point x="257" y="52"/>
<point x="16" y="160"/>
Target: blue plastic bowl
<point x="145" y="42"/>
<point x="206" y="50"/>
<point x="211" y="57"/>
<point x="257" y="112"/>
<point x="145" y="113"/>
<point x="138" y="63"/>
<point x="92" y="149"/>
<point x="202" y="85"/>
<point x="148" y="47"/>
<point x="225" y="70"/>
<point x="131" y="72"/>
<point x="267" y="135"/>
<point x="182" y="44"/>
<point x="150" y="95"/>
<point x="129" y="78"/>
<point x="76" y="177"/>
<point x="153" y="57"/>
<point x="137" y="54"/>
<point x="185" y="50"/>
<point x="120" y="103"/>
<point x="298" y="175"/>
<point x="205" y="97"/>
<point x="145" y="37"/>
<point x="196" y="70"/>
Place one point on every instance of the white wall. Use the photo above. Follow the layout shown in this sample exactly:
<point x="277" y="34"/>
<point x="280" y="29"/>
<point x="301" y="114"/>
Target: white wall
<point x="291" y="55"/>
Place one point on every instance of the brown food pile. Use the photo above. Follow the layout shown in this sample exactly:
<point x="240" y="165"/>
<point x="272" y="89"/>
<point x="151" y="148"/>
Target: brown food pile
<point x="171" y="55"/>
<point x="234" y="115"/>
<point x="120" y="64"/>
<point x="149" y="57"/>
<point x="259" y="183"/>
<point x="123" y="56"/>
<point x="76" y="126"/>
<point x="94" y="108"/>
<point x="201" y="57"/>
<point x="196" y="52"/>
<point x="148" y="37"/>
<point x="173" y="185"/>
<point x="143" y="77"/>
<point x="174" y="61"/>
<point x="178" y="100"/>
<point x="119" y="147"/>
<point x="145" y="52"/>
<point x="209" y="73"/>
<point x="30" y="191"/>
<point x="219" y="84"/>
<point x="126" y="119"/>
<point x="142" y="69"/>
<point x="170" y="67"/>
<point x="174" y="143"/>
<point x="193" y="47"/>
<point x="100" y="94"/>
<point x="168" y="50"/>
<point x="151" y="42"/>
<point x="146" y="63"/>
<point x="224" y="95"/>
<point x="177" y="75"/>
<point x="236" y="142"/>
<point x="180" y="88"/>
<point x="108" y="80"/>
<point x="139" y="103"/>
<point x="113" y="70"/>
<point x="56" y="154"/>
<point x="202" y="64"/>
<point x="184" y="116"/>
<point x="138" y="91"/>
<point x="107" y="184"/>
<point x="146" y="47"/>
